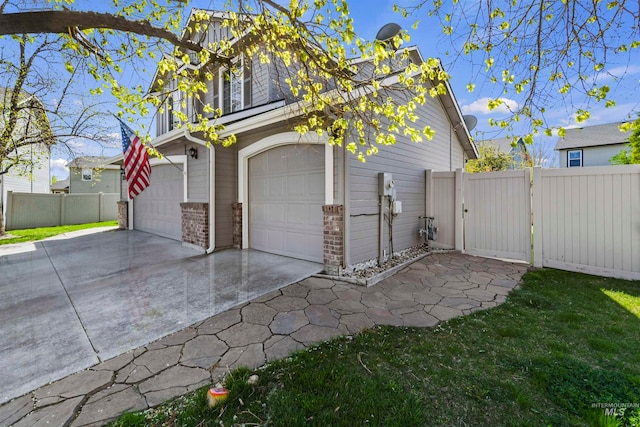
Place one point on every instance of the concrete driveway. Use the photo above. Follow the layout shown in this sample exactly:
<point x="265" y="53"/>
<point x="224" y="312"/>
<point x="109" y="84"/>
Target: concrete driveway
<point x="67" y="304"/>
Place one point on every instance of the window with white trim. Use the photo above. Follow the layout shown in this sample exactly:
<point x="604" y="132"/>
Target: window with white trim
<point x="87" y="174"/>
<point x="175" y="102"/>
<point x="574" y="159"/>
<point x="235" y="87"/>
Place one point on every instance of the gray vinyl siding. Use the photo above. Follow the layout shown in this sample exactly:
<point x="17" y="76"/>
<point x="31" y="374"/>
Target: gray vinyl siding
<point x="279" y="88"/>
<point x="248" y="138"/>
<point x="226" y="193"/>
<point x="593" y="156"/>
<point x="407" y="161"/>
<point x="103" y="181"/>
<point x="198" y="176"/>
<point x="260" y="82"/>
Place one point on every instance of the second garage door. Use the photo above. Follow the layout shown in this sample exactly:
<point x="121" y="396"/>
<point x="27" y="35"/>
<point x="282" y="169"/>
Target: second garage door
<point x="157" y="209"/>
<point x="286" y="194"/>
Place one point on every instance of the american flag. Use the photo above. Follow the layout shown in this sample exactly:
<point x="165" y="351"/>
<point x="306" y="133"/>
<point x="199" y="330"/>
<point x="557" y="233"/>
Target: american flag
<point x="136" y="161"/>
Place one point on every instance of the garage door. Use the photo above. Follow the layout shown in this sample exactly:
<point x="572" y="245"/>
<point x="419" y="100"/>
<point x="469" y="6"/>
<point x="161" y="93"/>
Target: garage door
<point x="157" y="209"/>
<point x="286" y="194"/>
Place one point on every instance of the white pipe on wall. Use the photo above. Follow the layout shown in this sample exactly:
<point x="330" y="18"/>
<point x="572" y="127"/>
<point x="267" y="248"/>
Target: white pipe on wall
<point x="212" y="189"/>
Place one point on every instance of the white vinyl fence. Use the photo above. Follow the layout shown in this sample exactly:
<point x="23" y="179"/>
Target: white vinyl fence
<point x="28" y="210"/>
<point x="588" y="220"/>
<point x="497" y="214"/>
<point x="582" y="219"/>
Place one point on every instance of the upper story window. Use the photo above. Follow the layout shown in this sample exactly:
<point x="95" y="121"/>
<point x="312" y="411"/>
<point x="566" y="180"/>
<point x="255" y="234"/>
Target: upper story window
<point x="574" y="158"/>
<point x="232" y="89"/>
<point x="174" y="103"/>
<point x="235" y="87"/>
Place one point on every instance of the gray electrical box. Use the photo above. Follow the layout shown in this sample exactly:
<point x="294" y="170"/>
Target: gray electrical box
<point x="385" y="184"/>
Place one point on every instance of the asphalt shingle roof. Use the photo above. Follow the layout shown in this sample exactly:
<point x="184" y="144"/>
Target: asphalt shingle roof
<point x="593" y="136"/>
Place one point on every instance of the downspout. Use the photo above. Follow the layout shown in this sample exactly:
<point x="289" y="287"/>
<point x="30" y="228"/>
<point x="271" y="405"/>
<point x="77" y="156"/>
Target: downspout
<point x="450" y="148"/>
<point x="346" y="243"/>
<point x="212" y="190"/>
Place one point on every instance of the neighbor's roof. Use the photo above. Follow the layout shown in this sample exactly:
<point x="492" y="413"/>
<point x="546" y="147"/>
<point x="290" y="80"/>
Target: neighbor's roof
<point x="60" y="185"/>
<point x="95" y="162"/>
<point x="503" y="144"/>
<point x="593" y="136"/>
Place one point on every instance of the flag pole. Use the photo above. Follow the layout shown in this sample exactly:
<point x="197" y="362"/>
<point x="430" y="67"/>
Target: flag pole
<point x="154" y="148"/>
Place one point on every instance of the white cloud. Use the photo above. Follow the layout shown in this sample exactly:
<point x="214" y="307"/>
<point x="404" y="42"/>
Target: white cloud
<point x="480" y="106"/>
<point x="59" y="168"/>
<point x="616" y="73"/>
<point x="76" y="145"/>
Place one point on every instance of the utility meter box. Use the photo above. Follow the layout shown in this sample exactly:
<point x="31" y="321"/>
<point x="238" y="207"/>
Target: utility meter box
<point x="385" y="184"/>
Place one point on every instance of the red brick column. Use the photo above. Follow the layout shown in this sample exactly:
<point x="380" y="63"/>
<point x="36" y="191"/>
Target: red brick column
<point x="237" y="224"/>
<point x="195" y="224"/>
<point x="123" y="215"/>
<point x="333" y="239"/>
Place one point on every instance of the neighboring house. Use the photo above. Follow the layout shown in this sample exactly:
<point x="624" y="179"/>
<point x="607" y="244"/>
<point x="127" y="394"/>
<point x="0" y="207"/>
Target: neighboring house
<point x="283" y="193"/>
<point x="519" y="153"/>
<point x="92" y="174"/>
<point x="32" y="178"/>
<point x="31" y="174"/>
<point x="60" y="186"/>
<point x="591" y="145"/>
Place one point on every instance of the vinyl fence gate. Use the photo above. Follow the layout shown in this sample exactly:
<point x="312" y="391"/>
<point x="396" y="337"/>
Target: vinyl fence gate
<point x="577" y="219"/>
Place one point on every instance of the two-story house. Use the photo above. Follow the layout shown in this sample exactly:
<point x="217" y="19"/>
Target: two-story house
<point x="92" y="174"/>
<point x="277" y="191"/>
<point x="30" y="174"/>
<point x="591" y="145"/>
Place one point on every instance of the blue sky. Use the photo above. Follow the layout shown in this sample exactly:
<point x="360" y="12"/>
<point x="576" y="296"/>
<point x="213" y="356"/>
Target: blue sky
<point x="370" y="15"/>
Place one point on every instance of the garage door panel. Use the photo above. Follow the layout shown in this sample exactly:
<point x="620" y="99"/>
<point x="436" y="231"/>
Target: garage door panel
<point x="157" y="209"/>
<point x="297" y="185"/>
<point x="275" y="160"/>
<point x="286" y="216"/>
<point x="276" y="215"/>
<point x="303" y="243"/>
<point x="316" y="218"/>
<point x="277" y="187"/>
<point x="316" y="186"/>
<point x="260" y="187"/>
<point x="298" y="214"/>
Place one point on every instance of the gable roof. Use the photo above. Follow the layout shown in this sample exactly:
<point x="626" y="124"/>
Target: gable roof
<point x="448" y="100"/>
<point x="593" y="136"/>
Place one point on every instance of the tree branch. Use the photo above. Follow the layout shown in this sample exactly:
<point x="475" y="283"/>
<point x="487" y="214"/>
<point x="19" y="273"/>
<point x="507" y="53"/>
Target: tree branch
<point x="59" y="21"/>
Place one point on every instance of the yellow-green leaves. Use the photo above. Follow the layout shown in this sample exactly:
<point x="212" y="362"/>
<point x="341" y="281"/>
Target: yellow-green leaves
<point x="582" y="115"/>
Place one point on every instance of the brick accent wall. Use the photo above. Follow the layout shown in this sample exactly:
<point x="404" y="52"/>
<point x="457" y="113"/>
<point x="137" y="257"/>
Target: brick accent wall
<point x="195" y="224"/>
<point x="237" y="224"/>
<point x="333" y="239"/>
<point x="123" y="215"/>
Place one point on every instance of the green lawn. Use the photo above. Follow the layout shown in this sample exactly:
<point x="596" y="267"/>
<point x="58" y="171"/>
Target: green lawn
<point x="560" y="345"/>
<point x="33" y="234"/>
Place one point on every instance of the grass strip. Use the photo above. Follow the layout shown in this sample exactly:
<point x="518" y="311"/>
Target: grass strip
<point x="35" y="234"/>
